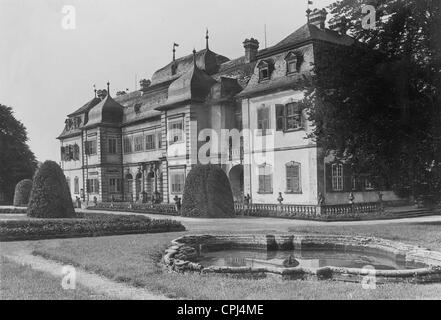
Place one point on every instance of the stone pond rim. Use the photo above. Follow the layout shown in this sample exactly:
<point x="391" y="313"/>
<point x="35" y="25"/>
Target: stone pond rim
<point x="180" y="257"/>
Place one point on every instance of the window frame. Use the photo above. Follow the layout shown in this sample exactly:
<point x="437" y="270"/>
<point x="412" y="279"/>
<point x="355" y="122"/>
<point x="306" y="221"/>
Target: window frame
<point x="172" y="130"/>
<point x="173" y="173"/>
<point x="150" y="145"/>
<point x="267" y="175"/>
<point x="115" y="185"/>
<point x="112" y="145"/>
<point x="261" y="120"/>
<point x="337" y="181"/>
<point x="91" y="147"/>
<point x="76" y="185"/>
<point x="293" y="164"/>
<point x="138" y="143"/>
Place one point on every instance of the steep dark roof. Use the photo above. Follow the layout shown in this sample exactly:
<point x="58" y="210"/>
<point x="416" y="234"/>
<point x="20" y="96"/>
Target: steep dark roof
<point x="238" y="69"/>
<point x="206" y="60"/>
<point x="89" y="105"/>
<point x="195" y="85"/>
<point x="309" y="32"/>
<point x="108" y="111"/>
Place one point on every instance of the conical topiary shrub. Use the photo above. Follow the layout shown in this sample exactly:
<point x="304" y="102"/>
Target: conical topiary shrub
<point x="207" y="193"/>
<point x="22" y="193"/>
<point x="50" y="196"/>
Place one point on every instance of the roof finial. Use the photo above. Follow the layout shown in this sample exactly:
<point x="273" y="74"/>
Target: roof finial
<point x="94" y="89"/>
<point x="174" y="50"/>
<point x="108" y="88"/>
<point x="308" y="11"/>
<point x="194" y="57"/>
<point x="206" y="39"/>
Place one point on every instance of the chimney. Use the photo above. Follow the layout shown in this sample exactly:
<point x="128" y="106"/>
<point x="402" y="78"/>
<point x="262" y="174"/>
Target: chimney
<point x="251" y="46"/>
<point x="318" y="18"/>
<point x="339" y="25"/>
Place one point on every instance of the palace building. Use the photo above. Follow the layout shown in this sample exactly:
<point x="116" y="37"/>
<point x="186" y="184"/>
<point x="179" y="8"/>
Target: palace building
<point x="141" y="145"/>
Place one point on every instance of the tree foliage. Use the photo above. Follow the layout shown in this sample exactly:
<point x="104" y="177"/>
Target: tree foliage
<point x="50" y="196"/>
<point x="377" y="103"/>
<point x="17" y="162"/>
<point x="207" y="193"/>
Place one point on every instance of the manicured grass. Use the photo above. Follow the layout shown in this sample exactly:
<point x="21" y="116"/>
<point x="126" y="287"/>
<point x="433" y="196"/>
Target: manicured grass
<point x="134" y="259"/>
<point x="91" y="225"/>
<point x="23" y="283"/>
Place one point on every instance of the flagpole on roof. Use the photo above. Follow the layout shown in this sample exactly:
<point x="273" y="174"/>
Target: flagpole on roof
<point x="308" y="10"/>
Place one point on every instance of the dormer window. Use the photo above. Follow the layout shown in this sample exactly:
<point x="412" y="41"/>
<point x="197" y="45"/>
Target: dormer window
<point x="264" y="67"/>
<point x="293" y="61"/>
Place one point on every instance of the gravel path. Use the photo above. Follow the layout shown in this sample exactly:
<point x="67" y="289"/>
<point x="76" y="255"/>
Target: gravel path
<point x="94" y="282"/>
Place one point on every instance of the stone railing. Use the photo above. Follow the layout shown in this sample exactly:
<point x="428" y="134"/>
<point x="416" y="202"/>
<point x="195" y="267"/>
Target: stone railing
<point x="309" y="211"/>
<point x="290" y="211"/>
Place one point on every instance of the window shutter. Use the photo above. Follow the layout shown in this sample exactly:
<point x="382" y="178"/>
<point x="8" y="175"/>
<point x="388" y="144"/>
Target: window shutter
<point x="347" y="178"/>
<point x="328" y="177"/>
<point x="280" y="117"/>
<point x="96" y="185"/>
<point x="62" y="153"/>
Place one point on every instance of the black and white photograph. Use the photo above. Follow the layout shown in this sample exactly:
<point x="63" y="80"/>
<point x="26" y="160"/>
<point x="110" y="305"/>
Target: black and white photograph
<point x="219" y="155"/>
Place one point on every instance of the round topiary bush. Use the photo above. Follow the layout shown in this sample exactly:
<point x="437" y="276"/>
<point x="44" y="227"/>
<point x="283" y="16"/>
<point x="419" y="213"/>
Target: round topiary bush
<point x="22" y="193"/>
<point x="207" y="193"/>
<point x="50" y="196"/>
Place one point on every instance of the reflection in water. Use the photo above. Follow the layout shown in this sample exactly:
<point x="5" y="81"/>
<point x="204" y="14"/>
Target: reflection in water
<point x="310" y="259"/>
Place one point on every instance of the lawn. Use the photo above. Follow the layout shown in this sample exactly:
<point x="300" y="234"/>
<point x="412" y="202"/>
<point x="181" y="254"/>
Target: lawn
<point x="134" y="259"/>
<point x="19" y="282"/>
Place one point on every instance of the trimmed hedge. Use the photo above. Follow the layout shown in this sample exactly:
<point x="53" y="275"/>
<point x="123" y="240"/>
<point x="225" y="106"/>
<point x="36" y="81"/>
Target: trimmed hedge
<point x="207" y="193"/>
<point x="91" y="225"/>
<point x="165" y="209"/>
<point x="22" y="193"/>
<point x="13" y="210"/>
<point x="50" y="196"/>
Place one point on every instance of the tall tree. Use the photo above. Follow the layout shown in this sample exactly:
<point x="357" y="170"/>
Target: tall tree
<point x="17" y="162"/>
<point x="378" y="103"/>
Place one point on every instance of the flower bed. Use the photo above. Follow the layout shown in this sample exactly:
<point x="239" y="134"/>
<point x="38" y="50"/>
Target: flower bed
<point x="91" y="225"/>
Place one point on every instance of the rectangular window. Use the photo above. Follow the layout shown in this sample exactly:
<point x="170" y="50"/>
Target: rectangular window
<point x="176" y="131"/>
<point x="90" y="147"/>
<point x="114" y="185"/>
<point x="150" y="142"/>
<point x="293" y="116"/>
<point x="291" y="66"/>
<point x="177" y="180"/>
<point x="112" y="146"/>
<point x="93" y="186"/>
<point x="263" y="120"/>
<point x="337" y="177"/>
<point x="265" y="179"/>
<point x="138" y="143"/>
<point x="293" y="183"/>
<point x="76" y="185"/>
<point x="263" y="73"/>
<point x="128" y="144"/>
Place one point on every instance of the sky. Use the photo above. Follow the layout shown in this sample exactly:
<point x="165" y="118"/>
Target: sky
<point x="48" y="68"/>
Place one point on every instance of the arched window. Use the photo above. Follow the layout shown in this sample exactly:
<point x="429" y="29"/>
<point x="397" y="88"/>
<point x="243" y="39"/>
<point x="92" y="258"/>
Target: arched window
<point x="138" y="185"/>
<point x="76" y="185"/>
<point x="68" y="182"/>
<point x="337" y="176"/>
<point x="293" y="177"/>
<point x="265" y="178"/>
